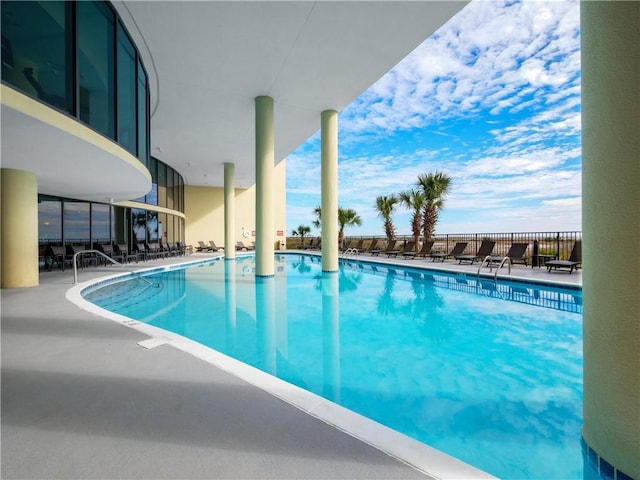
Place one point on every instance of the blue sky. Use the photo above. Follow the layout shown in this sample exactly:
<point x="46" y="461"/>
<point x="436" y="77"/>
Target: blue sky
<point x="493" y="100"/>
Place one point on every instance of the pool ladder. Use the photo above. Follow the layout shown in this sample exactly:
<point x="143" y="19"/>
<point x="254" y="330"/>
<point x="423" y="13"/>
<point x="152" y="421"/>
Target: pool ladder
<point x="107" y="257"/>
<point x="349" y="253"/>
<point x="489" y="263"/>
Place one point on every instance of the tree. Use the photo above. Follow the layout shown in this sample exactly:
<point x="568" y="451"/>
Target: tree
<point x="435" y="187"/>
<point x="386" y="204"/>
<point x="302" y="230"/>
<point x="414" y="200"/>
<point x="347" y="217"/>
<point x="317" y="222"/>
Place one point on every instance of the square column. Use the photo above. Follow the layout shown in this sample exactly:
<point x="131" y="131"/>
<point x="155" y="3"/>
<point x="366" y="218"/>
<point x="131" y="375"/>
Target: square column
<point x="329" y="193"/>
<point x="265" y="264"/>
<point x="229" y="211"/>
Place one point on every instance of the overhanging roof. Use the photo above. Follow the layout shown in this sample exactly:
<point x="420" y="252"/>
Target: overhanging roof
<point x="208" y="60"/>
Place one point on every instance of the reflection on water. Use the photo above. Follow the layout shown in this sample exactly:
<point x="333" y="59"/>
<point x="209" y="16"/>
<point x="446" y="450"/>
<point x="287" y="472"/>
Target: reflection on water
<point x="488" y="372"/>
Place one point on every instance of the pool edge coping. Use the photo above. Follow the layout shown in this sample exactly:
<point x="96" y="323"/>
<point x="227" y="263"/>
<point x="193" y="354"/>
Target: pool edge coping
<point x="432" y="462"/>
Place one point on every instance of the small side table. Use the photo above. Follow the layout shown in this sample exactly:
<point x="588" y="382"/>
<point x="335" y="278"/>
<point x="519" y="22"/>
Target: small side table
<point x="541" y="260"/>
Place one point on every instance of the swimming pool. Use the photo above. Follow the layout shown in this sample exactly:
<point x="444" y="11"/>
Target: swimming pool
<point x="488" y="372"/>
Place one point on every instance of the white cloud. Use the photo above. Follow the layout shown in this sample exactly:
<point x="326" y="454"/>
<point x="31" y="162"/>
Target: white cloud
<point x="492" y="99"/>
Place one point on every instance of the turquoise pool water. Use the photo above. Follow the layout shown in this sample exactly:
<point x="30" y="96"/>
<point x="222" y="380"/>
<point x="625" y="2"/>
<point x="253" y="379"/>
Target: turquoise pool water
<point x="490" y="373"/>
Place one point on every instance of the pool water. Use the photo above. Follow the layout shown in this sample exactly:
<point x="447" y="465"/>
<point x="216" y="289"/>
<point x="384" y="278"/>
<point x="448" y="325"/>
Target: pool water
<point x="488" y="372"/>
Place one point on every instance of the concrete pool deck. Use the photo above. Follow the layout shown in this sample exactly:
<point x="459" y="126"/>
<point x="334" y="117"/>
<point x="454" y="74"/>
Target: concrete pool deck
<point x="82" y="399"/>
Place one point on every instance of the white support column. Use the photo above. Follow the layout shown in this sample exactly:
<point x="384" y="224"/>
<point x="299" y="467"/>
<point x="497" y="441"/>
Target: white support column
<point x="329" y="194"/>
<point x="229" y="211"/>
<point x="611" y="231"/>
<point x="265" y="264"/>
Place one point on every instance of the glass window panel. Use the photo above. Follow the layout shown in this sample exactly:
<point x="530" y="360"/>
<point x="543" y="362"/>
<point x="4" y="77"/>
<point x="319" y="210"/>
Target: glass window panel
<point x="170" y="187"/>
<point x="163" y="227"/>
<point x="49" y="220"/>
<point x="120" y="225"/>
<point x="162" y="184"/>
<point x="126" y="58"/>
<point x="143" y="114"/>
<point x="100" y="223"/>
<point x="36" y="50"/>
<point x="138" y="225"/>
<point x="76" y="223"/>
<point x="96" y="33"/>
<point x="152" y="227"/>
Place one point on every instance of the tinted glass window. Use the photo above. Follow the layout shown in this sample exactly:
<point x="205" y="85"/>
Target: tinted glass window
<point x="36" y="51"/>
<point x="152" y="227"/>
<point x="76" y="223"/>
<point x="126" y="58"/>
<point x="143" y="151"/>
<point x="100" y="223"/>
<point x="95" y="64"/>
<point x="138" y="225"/>
<point x="162" y="184"/>
<point x="49" y="220"/>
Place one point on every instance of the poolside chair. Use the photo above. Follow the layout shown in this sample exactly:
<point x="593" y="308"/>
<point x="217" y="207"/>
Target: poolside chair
<point x="424" y="251"/>
<point x="122" y="255"/>
<point x="408" y="247"/>
<point x="58" y="255"/>
<point x="486" y="247"/>
<point x="241" y="246"/>
<point x="202" y="247"/>
<point x="457" y="249"/>
<point x="373" y="246"/>
<point x="347" y="245"/>
<point x="516" y="254"/>
<point x="391" y="245"/>
<point x="214" y="247"/>
<point x="575" y="259"/>
<point x="358" y="246"/>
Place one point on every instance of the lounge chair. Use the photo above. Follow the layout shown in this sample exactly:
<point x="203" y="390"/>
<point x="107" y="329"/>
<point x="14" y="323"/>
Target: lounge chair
<point x="408" y="247"/>
<point x="358" y="246"/>
<point x="122" y="254"/>
<point x="373" y="246"/>
<point x="202" y="247"/>
<point x="424" y="251"/>
<point x="347" y="245"/>
<point x="390" y="247"/>
<point x="457" y="249"/>
<point x="309" y="245"/>
<point x="241" y="246"/>
<point x="214" y="247"/>
<point x="58" y="255"/>
<point x="486" y="247"/>
<point x="516" y="254"/>
<point x="575" y="259"/>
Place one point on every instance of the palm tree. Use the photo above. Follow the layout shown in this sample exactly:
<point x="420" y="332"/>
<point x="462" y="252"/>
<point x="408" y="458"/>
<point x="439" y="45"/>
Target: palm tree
<point x="385" y="204"/>
<point x="435" y="187"/>
<point x="302" y="230"/>
<point x="414" y="200"/>
<point x="317" y="222"/>
<point x="347" y="217"/>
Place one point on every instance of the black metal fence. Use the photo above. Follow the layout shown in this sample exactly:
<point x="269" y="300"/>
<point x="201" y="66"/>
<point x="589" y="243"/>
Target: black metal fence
<point x="553" y="244"/>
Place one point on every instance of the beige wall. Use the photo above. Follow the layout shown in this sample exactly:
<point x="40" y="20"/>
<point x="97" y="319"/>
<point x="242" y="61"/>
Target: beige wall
<point x="204" y="211"/>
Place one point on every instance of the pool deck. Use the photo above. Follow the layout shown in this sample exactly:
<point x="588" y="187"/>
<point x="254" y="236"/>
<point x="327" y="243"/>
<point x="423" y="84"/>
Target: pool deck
<point x="81" y="398"/>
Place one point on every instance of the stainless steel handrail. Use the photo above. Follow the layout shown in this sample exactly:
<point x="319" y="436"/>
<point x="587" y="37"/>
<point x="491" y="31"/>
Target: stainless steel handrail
<point x="75" y="266"/>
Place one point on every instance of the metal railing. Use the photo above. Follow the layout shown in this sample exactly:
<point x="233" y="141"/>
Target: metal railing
<point x="556" y="243"/>
<point x="106" y="257"/>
